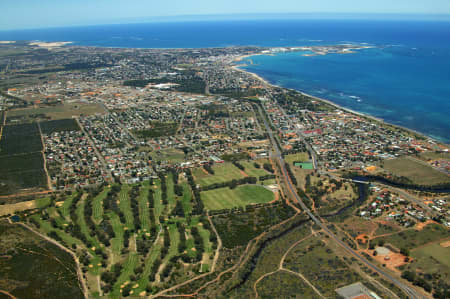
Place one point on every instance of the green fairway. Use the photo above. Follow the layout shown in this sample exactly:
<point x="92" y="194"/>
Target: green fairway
<point x="152" y="256"/>
<point x="117" y="241"/>
<point x="125" y="207"/>
<point x="64" y="208"/>
<point x="157" y="200"/>
<point x="223" y="172"/>
<point x="127" y="270"/>
<point x="97" y="206"/>
<point x="170" y="191"/>
<point x="186" y="200"/>
<point x="225" y="198"/>
<point x="143" y="207"/>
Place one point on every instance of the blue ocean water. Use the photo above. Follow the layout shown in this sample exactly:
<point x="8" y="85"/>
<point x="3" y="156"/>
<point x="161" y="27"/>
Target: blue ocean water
<point x="405" y="80"/>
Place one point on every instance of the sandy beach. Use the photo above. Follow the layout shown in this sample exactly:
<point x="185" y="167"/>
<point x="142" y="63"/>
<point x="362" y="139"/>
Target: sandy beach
<point x="49" y="45"/>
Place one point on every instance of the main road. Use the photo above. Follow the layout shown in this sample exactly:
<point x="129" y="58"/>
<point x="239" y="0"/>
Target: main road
<point x="277" y="154"/>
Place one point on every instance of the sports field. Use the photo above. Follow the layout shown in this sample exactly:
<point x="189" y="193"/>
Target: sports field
<point x="299" y="157"/>
<point x="222" y="173"/>
<point x="226" y="198"/>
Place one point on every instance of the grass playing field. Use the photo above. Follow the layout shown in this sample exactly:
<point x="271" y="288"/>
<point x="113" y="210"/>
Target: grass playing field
<point x="225" y="198"/>
<point x="299" y="157"/>
<point x="251" y="170"/>
<point x="222" y="173"/>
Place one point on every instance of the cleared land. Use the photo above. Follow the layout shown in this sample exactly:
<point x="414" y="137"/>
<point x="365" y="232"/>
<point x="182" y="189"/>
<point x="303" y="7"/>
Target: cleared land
<point x="61" y="111"/>
<point x="226" y="198"/>
<point x="417" y="171"/>
<point x="410" y="239"/>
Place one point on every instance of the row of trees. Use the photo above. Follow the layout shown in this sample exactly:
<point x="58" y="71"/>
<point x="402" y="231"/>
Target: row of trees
<point x="231" y="184"/>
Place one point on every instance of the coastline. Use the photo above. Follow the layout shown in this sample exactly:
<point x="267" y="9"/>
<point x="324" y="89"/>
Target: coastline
<point x="329" y="102"/>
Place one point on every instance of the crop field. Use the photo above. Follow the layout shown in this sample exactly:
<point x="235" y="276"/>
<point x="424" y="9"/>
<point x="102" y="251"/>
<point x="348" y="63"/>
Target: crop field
<point x="51" y="126"/>
<point x="135" y="239"/>
<point x="20" y="139"/>
<point x="223" y="172"/>
<point x="22" y="171"/>
<point x="21" y="160"/>
<point x="35" y="268"/>
<point x="226" y="198"/>
<point x="417" y="171"/>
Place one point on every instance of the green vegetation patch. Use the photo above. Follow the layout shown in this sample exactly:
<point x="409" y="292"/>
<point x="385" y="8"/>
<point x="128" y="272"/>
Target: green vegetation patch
<point x="237" y="228"/>
<point x="226" y="198"/>
<point x="321" y="266"/>
<point x="434" y="250"/>
<point x="410" y="239"/>
<point x="283" y="284"/>
<point x="159" y="129"/>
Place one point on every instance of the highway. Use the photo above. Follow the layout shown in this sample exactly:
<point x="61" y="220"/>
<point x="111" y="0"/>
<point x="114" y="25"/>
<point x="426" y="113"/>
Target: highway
<point x="277" y="154"/>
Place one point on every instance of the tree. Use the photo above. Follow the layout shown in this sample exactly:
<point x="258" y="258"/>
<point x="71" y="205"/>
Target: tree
<point x="404" y="251"/>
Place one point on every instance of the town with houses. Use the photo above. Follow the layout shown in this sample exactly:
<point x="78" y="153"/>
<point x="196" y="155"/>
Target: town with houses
<point x="131" y="116"/>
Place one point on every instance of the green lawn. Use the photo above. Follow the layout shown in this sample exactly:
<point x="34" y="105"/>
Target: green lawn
<point x="225" y="198"/>
<point x="223" y="172"/>
<point x="251" y="170"/>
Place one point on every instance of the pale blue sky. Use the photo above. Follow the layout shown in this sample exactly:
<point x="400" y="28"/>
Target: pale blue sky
<point x="49" y="13"/>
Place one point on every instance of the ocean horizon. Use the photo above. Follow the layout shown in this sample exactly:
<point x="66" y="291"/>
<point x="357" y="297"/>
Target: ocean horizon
<point x="403" y="79"/>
